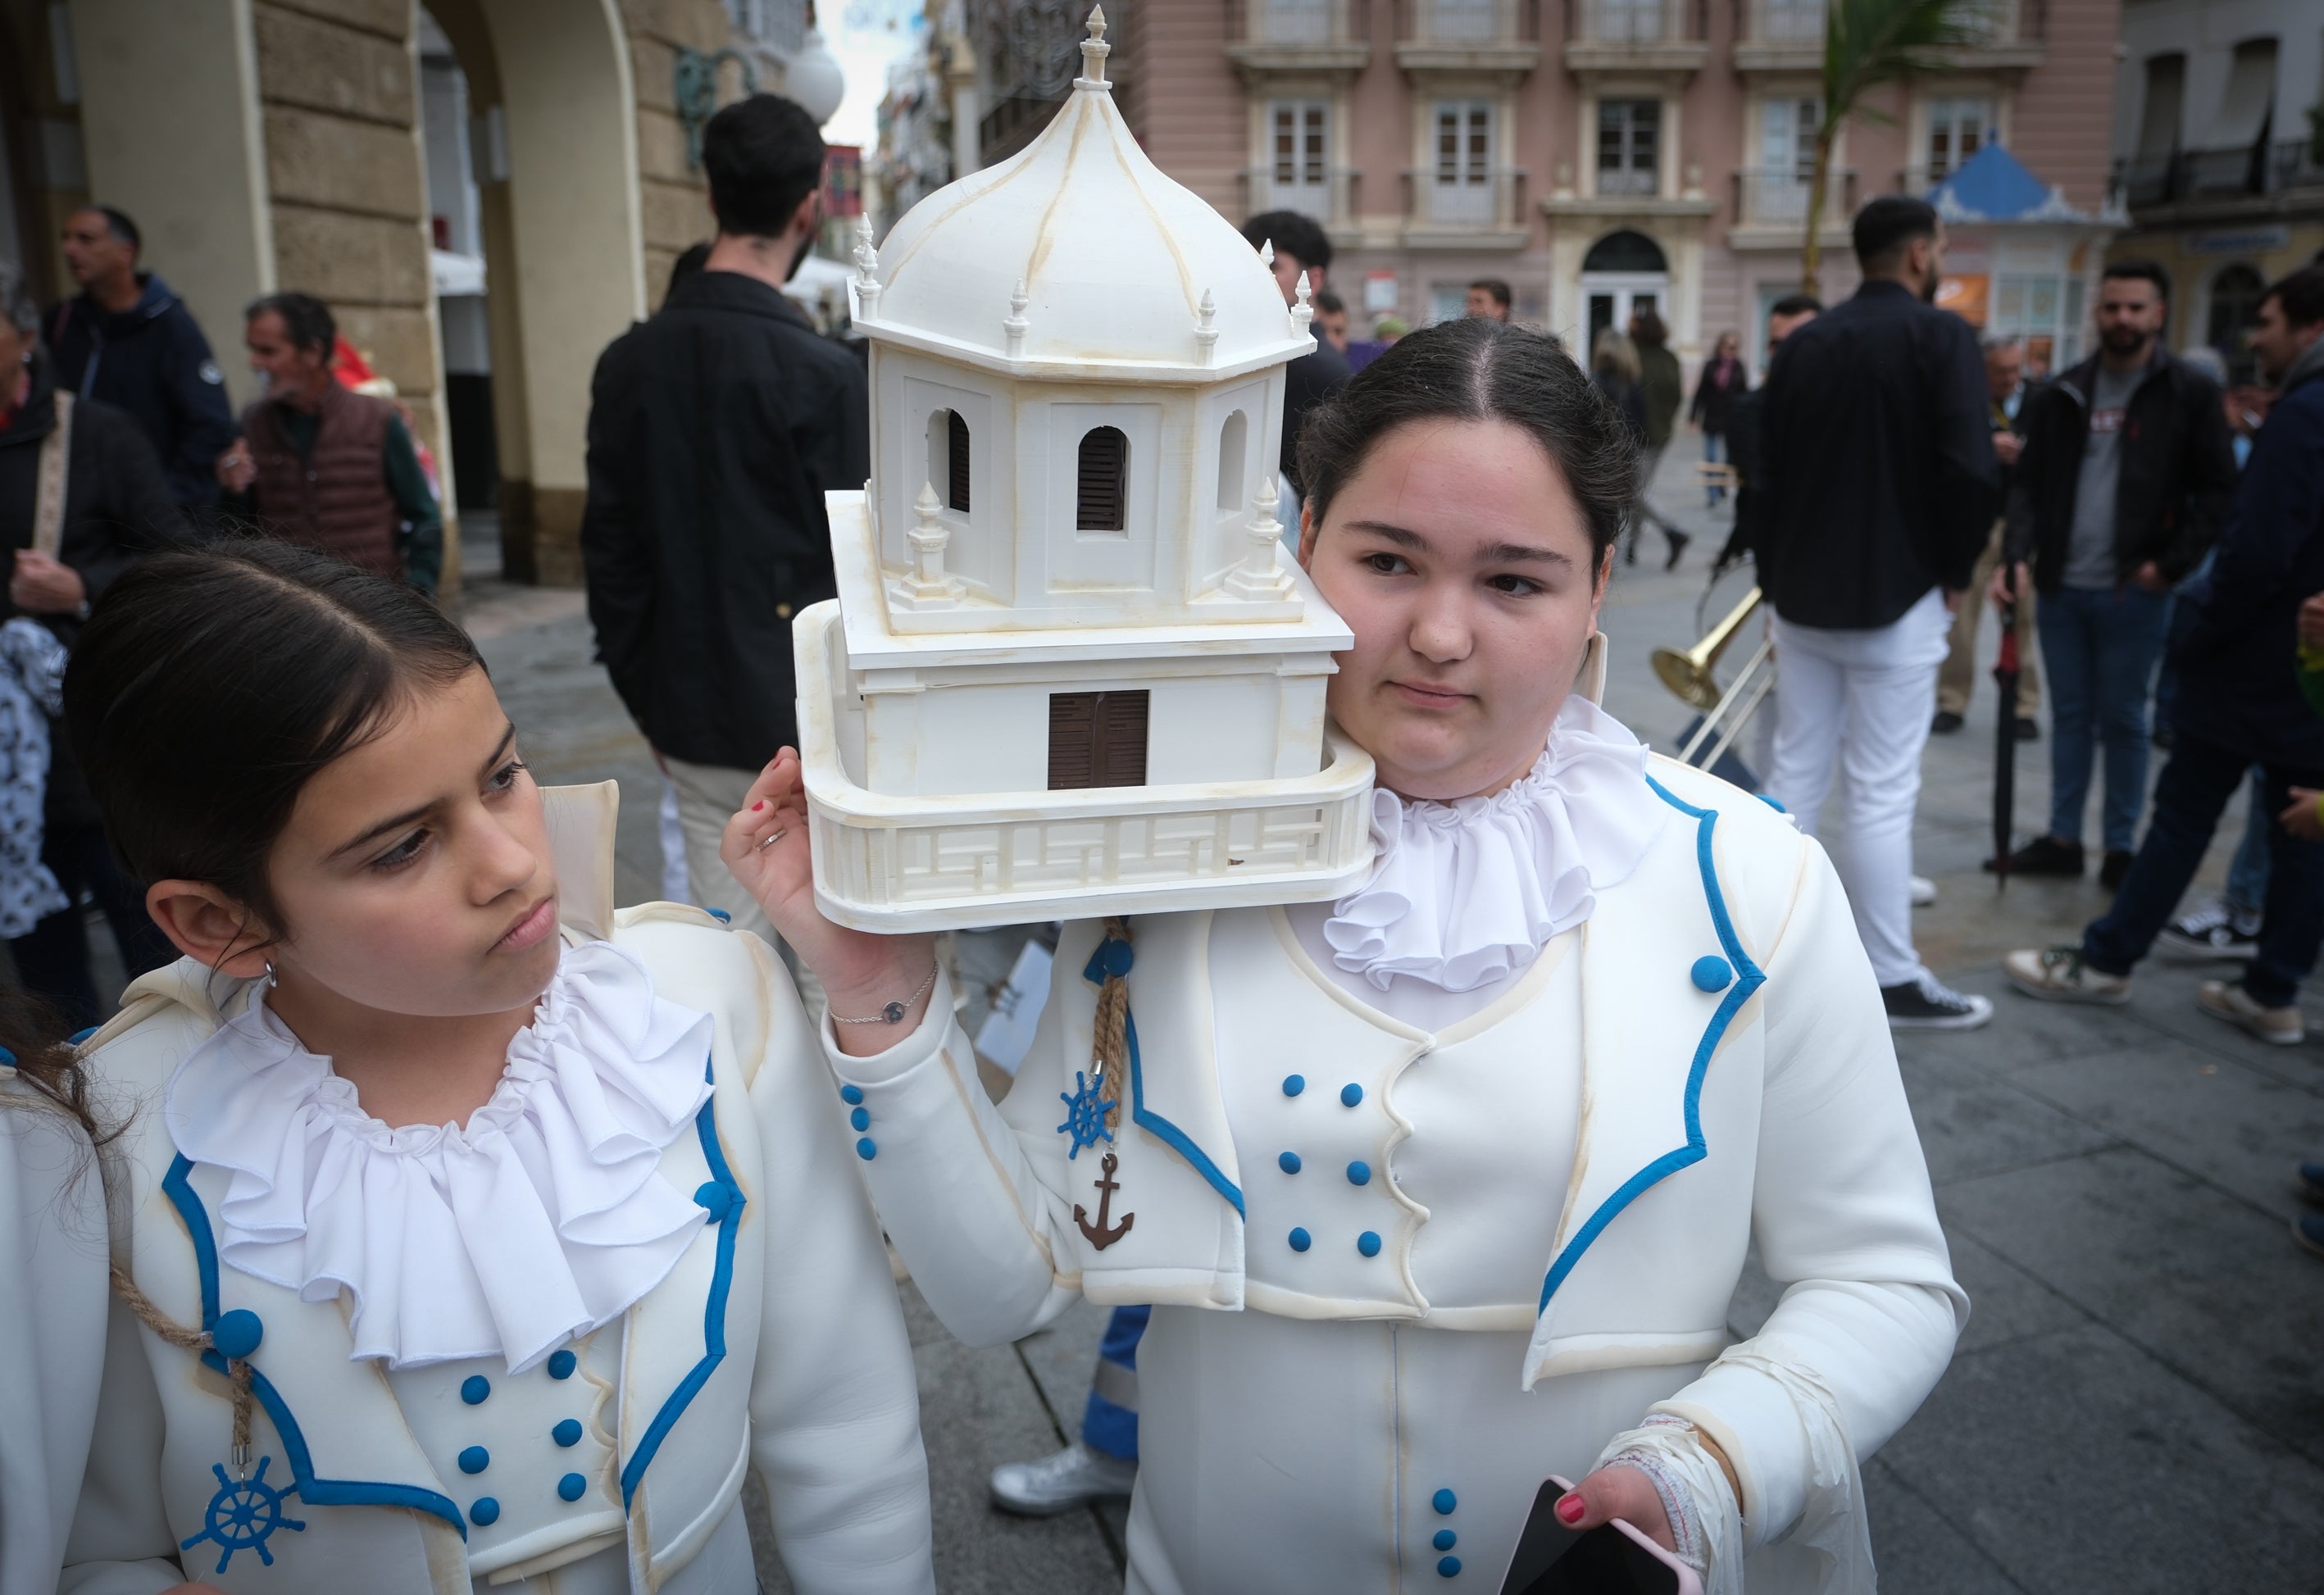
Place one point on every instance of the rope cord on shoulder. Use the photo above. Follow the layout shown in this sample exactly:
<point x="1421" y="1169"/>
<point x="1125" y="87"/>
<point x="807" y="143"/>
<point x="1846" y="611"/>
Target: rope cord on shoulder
<point x="197" y="1341"/>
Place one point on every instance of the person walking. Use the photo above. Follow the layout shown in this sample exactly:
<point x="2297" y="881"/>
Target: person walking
<point x="1723" y="381"/>
<point x="715" y="430"/>
<point x="2005" y="385"/>
<point x="83" y="496"/>
<point x="1664" y="390"/>
<point x="127" y="340"/>
<point x="1614" y="372"/>
<point x="2241" y="702"/>
<point x="1878" y="485"/>
<point x="1791" y="311"/>
<point x="324" y="467"/>
<point x="2127" y="474"/>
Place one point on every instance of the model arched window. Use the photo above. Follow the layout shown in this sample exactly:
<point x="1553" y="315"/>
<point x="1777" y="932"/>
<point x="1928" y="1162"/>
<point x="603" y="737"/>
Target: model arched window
<point x="948" y="458"/>
<point x="1103" y="490"/>
<point x="1235" y="438"/>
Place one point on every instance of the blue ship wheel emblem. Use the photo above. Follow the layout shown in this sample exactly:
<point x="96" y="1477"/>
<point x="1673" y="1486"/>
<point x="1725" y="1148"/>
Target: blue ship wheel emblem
<point x="1086" y="1107"/>
<point x="244" y="1514"/>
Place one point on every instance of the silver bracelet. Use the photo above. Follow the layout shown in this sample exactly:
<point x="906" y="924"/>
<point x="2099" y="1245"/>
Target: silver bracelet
<point x="893" y="1014"/>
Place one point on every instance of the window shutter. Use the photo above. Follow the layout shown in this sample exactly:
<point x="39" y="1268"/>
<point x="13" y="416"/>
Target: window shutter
<point x="1104" y="463"/>
<point x="956" y="462"/>
<point x="1097" y="739"/>
<point x="1073" y="747"/>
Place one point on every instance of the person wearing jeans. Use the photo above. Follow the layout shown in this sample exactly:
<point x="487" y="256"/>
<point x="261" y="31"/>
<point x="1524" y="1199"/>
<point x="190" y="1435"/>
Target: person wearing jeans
<point x="2100" y="646"/>
<point x="1103" y="1464"/>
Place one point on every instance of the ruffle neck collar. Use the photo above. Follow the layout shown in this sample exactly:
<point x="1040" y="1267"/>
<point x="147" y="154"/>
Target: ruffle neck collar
<point x="1466" y="893"/>
<point x="543" y="1217"/>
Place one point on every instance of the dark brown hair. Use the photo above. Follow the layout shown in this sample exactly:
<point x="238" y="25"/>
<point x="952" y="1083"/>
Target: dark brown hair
<point x="209" y="687"/>
<point x="1478" y="370"/>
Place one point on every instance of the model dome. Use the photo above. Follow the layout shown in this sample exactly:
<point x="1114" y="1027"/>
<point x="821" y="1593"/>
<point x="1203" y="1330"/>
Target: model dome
<point x="1078" y="258"/>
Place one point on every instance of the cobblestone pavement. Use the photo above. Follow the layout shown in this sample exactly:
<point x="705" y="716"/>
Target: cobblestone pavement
<point x="2137" y="1404"/>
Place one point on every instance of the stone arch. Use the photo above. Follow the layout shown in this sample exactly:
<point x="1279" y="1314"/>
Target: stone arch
<point x="1628" y="250"/>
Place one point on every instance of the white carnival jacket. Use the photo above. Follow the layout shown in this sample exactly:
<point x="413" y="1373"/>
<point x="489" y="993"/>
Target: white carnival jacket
<point x="777" y="1342"/>
<point x="1738" y="1080"/>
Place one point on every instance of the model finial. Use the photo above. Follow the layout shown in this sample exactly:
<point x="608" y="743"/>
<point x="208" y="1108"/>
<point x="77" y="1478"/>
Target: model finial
<point x="1095" y="50"/>
<point x="867" y="266"/>
<point x="1260" y="577"/>
<point x="1267" y="254"/>
<point x="1206" y="325"/>
<point x="927" y="585"/>
<point x="1016" y="325"/>
<point x="1302" y="312"/>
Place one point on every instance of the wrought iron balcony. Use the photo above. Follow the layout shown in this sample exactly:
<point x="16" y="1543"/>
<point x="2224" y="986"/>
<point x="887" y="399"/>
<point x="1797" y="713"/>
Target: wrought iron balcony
<point x="1779" y="200"/>
<point x="2254" y="170"/>
<point x="1636" y="35"/>
<point x="1468" y="37"/>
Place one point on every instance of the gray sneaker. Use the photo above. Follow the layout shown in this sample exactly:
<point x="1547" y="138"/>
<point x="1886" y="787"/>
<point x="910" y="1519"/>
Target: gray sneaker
<point x="2211" y="932"/>
<point x="1059" y="1482"/>
<point x="2221" y="1000"/>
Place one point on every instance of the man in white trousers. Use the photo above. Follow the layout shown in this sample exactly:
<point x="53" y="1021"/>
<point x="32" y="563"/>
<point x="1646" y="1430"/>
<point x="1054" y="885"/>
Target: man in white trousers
<point x="1878" y="485"/>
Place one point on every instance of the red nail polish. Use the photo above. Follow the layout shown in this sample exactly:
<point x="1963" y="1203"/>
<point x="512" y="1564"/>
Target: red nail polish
<point x="1570" y="1510"/>
<point x="761" y="804"/>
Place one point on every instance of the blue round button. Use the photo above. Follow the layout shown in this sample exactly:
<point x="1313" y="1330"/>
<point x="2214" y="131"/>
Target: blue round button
<point x="484" y="1511"/>
<point x="866" y="1149"/>
<point x="1446" y="1539"/>
<point x="1288" y="1163"/>
<point x="475" y="1460"/>
<point x="1713" y="973"/>
<point x="1351" y="1093"/>
<point x="861" y="1119"/>
<point x="1368" y="1243"/>
<point x="1359" y="1173"/>
<point x="570" y="1487"/>
<point x="851" y="1095"/>
<point x="721" y="916"/>
<point x="1115" y="957"/>
<point x="475" y="1388"/>
<point x="1293" y="1085"/>
<point x="1301" y="1241"/>
<point x="567" y="1432"/>
<point x="1445" y="1500"/>
<point x="714" y="1197"/>
<point x="1448" y="1567"/>
<point x="561" y="1365"/>
<point x="236" y="1333"/>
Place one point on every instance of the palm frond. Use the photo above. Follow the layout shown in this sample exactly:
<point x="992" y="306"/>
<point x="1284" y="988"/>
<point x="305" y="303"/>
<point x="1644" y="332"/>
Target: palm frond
<point x="1868" y="42"/>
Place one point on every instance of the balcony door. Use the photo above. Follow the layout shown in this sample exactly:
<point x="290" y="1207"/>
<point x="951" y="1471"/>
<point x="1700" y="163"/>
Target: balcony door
<point x="1461" y="190"/>
<point x="1623" y="273"/>
<point x="1295" y="22"/>
<point x="1787" y="133"/>
<point x="1629" y="146"/>
<point x="1299" y="171"/>
<point x="1958" y="129"/>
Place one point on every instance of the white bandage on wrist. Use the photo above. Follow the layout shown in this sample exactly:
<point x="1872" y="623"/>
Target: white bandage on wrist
<point x="1706" y="1521"/>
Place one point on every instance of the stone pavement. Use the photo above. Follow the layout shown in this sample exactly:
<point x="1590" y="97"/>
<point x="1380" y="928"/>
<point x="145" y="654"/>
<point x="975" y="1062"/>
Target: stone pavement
<point x="2137" y="1404"/>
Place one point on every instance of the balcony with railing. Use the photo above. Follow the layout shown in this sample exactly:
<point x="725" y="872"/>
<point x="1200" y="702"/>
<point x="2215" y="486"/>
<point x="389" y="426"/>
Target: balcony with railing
<point x="1468" y="37"/>
<point x="1770" y="209"/>
<point x="1334" y="201"/>
<point x="1305" y="36"/>
<point x="1780" y="36"/>
<point x="1483" y="210"/>
<point x="1636" y="35"/>
<point x="2219" y="179"/>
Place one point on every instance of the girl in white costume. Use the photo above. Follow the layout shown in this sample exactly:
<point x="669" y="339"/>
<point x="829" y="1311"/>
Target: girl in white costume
<point x="476" y="1235"/>
<point x="1446" y="1187"/>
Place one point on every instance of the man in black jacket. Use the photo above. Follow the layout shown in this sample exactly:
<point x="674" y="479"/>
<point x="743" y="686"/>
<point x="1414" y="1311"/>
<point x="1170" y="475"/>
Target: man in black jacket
<point x="715" y="430"/>
<point x="1301" y="249"/>
<point x="130" y="341"/>
<point x="2127" y="472"/>
<point x="1880" y="485"/>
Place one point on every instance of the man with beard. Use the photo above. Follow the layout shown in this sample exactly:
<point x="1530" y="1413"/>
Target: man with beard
<point x="715" y="430"/>
<point x="1878" y="486"/>
<point x="2125" y="478"/>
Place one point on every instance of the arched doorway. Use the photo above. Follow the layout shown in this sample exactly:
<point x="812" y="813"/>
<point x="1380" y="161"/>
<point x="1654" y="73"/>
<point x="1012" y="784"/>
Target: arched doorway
<point x="1624" y="272"/>
<point x="552" y="146"/>
<point x="2231" y="312"/>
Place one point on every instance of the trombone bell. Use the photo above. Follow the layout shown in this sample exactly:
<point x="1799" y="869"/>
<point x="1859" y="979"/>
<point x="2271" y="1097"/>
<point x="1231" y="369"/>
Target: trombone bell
<point x="1688" y="674"/>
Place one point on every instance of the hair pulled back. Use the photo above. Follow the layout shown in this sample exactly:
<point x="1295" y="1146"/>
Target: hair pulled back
<point x="209" y="687"/>
<point x="1477" y="370"/>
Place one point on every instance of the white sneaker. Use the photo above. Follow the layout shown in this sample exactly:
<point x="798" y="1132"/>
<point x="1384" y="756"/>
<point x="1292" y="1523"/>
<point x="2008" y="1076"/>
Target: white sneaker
<point x="2234" y="1004"/>
<point x="2058" y="976"/>
<point x="1928" y="1004"/>
<point x="1059" y="1482"/>
<point x="1924" y="891"/>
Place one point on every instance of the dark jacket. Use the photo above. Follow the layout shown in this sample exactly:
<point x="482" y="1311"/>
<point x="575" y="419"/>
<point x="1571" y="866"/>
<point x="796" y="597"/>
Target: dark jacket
<point x="117" y="508"/>
<point x="2178" y="471"/>
<point x="2238" y="661"/>
<point x="151" y="360"/>
<point x="1875" y="475"/>
<point x="1664" y="387"/>
<point x="1307" y="382"/>
<point x="715" y="430"/>
<point x="1715" y="394"/>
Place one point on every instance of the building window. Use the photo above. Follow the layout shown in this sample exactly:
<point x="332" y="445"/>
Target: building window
<point x="1461" y="22"/>
<point x="1629" y="146"/>
<point x="948" y="458"/>
<point x="2233" y="312"/>
<point x="1958" y="129"/>
<point x="1791" y="20"/>
<point x="1235" y="438"/>
<point x="1097" y="739"/>
<point x="1299" y="163"/>
<point x="1103" y="490"/>
<point x="1462" y="190"/>
<point x="1295" y="22"/>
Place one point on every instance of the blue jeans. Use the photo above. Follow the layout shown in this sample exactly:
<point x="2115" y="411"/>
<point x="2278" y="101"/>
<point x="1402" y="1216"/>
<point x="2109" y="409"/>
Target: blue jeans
<point x="2195" y="787"/>
<point x="2100" y="649"/>
<point x="1110" y="1420"/>
<point x="1714" y="450"/>
<point x="2248" y="875"/>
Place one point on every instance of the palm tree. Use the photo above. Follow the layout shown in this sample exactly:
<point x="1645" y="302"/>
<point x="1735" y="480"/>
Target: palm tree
<point x="1868" y="44"/>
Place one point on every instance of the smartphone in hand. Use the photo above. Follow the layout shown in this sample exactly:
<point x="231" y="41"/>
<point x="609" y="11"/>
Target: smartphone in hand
<point x="1612" y="1559"/>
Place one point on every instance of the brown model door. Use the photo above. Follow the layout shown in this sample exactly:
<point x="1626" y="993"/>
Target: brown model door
<point x="1097" y="739"/>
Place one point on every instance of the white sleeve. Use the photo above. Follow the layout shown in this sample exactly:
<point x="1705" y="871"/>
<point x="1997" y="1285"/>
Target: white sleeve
<point x="1844" y="1219"/>
<point x="52" y="1316"/>
<point x="122" y="1543"/>
<point x="834" y="1411"/>
<point x="971" y="1193"/>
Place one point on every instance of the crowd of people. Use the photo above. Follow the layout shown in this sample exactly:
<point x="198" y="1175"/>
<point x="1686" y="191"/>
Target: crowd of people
<point x="409" y="1059"/>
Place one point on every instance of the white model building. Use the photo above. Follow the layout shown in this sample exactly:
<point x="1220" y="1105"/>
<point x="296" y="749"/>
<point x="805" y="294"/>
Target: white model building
<point x="1070" y="670"/>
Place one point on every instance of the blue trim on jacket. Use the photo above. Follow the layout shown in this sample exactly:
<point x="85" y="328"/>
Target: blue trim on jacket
<point x="314" y="1491"/>
<point x="1145" y="1118"/>
<point x="1750" y="978"/>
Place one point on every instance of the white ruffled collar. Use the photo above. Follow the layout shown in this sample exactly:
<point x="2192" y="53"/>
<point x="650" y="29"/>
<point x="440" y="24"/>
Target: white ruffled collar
<point x="545" y="1217"/>
<point x="1466" y="893"/>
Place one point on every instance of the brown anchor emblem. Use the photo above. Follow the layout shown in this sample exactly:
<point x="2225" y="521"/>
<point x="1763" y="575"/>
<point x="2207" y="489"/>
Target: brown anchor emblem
<point x="1100" y="1234"/>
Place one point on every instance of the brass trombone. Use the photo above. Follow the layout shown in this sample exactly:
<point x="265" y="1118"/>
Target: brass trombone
<point x="1725" y="710"/>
